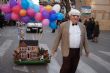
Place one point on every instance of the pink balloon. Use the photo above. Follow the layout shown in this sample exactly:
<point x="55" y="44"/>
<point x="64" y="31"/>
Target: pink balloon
<point x="0" y="6"/>
<point x="45" y="22"/>
<point x="30" y="12"/>
<point x="19" y="1"/>
<point x="14" y="16"/>
<point x="19" y="4"/>
<point x="41" y="8"/>
<point x="16" y="9"/>
<point x="38" y="17"/>
<point x="6" y="8"/>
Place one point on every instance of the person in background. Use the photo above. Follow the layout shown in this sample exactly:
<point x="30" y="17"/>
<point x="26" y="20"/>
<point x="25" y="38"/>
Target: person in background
<point x="86" y="22"/>
<point x="1" y="19"/>
<point x="80" y="20"/>
<point x="96" y="32"/>
<point x="90" y="28"/>
<point x="73" y="37"/>
<point x="58" y="23"/>
<point x="53" y="30"/>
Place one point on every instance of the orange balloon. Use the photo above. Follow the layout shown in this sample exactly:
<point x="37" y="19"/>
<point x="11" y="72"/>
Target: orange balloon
<point x="48" y="8"/>
<point x="22" y="12"/>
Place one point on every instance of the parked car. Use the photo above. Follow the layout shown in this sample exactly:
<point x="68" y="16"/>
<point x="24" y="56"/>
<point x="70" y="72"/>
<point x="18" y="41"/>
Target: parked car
<point x="34" y="27"/>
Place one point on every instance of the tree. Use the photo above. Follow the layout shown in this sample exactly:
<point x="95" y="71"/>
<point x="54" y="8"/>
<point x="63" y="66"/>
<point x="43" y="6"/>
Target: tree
<point x="73" y="1"/>
<point x="66" y="4"/>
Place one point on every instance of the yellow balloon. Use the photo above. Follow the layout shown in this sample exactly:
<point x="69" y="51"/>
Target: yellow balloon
<point x="48" y="7"/>
<point x="22" y="12"/>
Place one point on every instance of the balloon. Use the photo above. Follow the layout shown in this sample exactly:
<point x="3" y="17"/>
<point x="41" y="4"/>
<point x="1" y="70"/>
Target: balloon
<point x="45" y="14"/>
<point x="36" y="8"/>
<point x="53" y="25"/>
<point x="19" y="1"/>
<point x="25" y="19"/>
<point x="0" y="6"/>
<point x="32" y="20"/>
<point x="48" y="8"/>
<point x="41" y="8"/>
<point x="24" y="4"/>
<point x="53" y="17"/>
<point x="31" y="5"/>
<point x="16" y="9"/>
<point x="45" y="22"/>
<point x="60" y="16"/>
<point x="12" y="3"/>
<point x="6" y="8"/>
<point x="52" y="12"/>
<point x="8" y="16"/>
<point x="14" y="16"/>
<point x="56" y="7"/>
<point x="38" y="17"/>
<point x="22" y="12"/>
<point x="30" y="12"/>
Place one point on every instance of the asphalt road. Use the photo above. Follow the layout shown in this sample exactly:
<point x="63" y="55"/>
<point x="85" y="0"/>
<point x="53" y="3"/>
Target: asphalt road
<point x="97" y="62"/>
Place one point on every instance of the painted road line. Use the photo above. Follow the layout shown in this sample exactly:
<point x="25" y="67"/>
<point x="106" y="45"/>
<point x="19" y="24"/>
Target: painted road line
<point x="106" y="53"/>
<point x="5" y="46"/>
<point x="21" y="68"/>
<point x="85" y="68"/>
<point x="100" y="61"/>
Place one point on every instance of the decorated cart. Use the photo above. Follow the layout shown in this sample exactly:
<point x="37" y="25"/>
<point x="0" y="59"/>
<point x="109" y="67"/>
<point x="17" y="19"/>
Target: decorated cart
<point x="29" y="52"/>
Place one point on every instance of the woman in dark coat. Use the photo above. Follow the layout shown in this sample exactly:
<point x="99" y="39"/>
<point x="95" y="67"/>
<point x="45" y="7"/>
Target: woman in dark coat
<point x="96" y="32"/>
<point x="90" y="28"/>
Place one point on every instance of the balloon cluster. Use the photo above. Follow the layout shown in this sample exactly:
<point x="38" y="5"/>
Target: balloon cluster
<point x="26" y="11"/>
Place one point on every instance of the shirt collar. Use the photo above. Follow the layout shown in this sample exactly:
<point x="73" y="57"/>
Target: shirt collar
<point x="72" y="23"/>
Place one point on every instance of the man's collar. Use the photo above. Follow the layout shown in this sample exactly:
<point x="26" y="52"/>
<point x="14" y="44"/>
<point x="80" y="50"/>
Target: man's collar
<point x="72" y="23"/>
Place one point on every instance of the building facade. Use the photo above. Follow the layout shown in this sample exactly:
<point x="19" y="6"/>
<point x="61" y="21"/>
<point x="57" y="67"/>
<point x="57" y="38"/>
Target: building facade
<point x="100" y="11"/>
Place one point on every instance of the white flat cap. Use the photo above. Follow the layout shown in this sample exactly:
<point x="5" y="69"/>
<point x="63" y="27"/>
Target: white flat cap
<point x="74" y="12"/>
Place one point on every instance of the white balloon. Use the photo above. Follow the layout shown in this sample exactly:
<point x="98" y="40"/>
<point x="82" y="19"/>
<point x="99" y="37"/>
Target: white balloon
<point x="56" y="8"/>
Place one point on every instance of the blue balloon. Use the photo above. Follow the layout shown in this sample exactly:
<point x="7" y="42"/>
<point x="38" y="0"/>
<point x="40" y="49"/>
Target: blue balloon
<point x="60" y="16"/>
<point x="53" y="25"/>
<point x="32" y="20"/>
<point x="53" y="17"/>
<point x="12" y="3"/>
<point x="31" y="5"/>
<point x="52" y="12"/>
<point x="36" y="8"/>
<point x="29" y="1"/>
<point x="25" y="4"/>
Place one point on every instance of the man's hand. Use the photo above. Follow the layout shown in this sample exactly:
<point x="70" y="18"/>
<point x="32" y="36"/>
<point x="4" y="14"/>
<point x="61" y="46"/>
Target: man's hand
<point x="87" y="54"/>
<point x="52" y="53"/>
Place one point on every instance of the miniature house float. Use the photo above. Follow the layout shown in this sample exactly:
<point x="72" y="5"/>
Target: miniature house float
<point x="29" y="52"/>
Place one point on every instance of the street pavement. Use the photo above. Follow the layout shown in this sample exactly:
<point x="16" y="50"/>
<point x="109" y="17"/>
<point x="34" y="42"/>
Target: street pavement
<point x="97" y="62"/>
